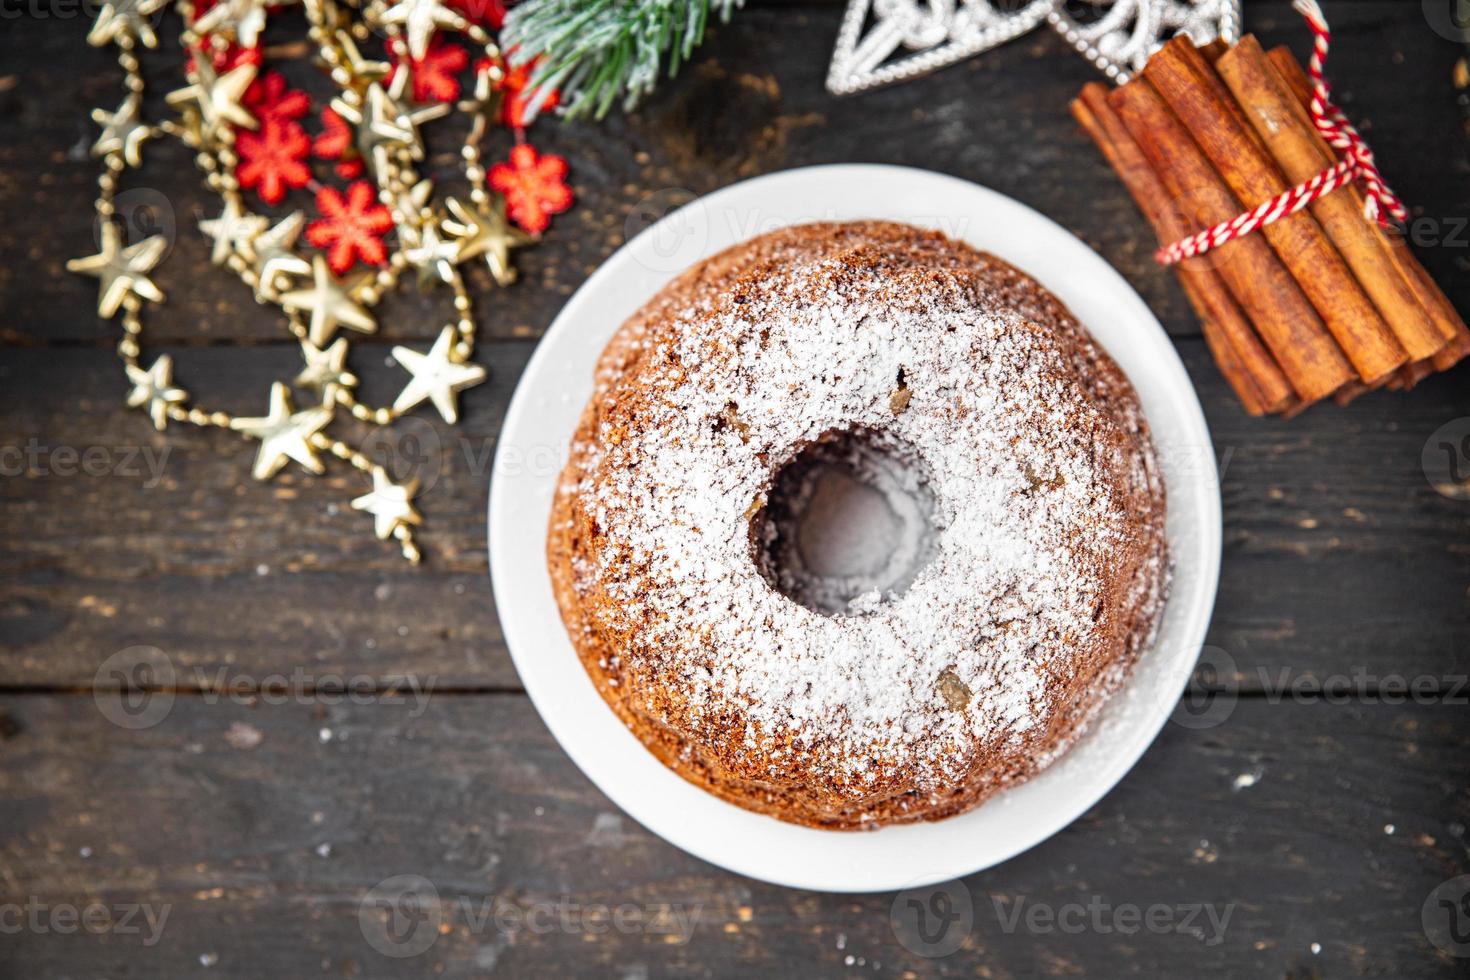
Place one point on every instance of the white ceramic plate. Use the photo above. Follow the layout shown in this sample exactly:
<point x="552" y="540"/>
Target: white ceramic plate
<point x="533" y="446"/>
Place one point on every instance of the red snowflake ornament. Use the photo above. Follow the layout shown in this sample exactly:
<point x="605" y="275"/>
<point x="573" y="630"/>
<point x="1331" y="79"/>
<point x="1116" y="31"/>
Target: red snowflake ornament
<point x="230" y="57"/>
<point x="516" y="98"/>
<point x="351" y="228"/>
<point x="484" y="12"/>
<point x="534" y="186"/>
<point x="334" y="142"/>
<point x="273" y="158"/>
<point x="435" y="75"/>
<point x="268" y="98"/>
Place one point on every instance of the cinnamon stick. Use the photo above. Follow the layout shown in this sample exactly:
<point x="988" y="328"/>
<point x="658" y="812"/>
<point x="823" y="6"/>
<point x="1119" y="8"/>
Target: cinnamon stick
<point x="1265" y="291"/>
<point x="1441" y="311"/>
<point x="1190" y="86"/>
<point x="1247" y="365"/>
<point x="1286" y="128"/>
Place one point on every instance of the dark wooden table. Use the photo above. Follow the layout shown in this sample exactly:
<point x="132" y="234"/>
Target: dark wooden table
<point x="257" y="825"/>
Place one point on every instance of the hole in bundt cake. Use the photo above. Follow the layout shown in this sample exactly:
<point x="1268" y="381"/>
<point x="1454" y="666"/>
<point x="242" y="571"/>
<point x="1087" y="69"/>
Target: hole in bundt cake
<point x="848" y="523"/>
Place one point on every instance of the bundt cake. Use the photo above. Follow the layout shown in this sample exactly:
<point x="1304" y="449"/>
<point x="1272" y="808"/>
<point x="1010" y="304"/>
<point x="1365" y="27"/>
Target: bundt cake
<point x="858" y="527"/>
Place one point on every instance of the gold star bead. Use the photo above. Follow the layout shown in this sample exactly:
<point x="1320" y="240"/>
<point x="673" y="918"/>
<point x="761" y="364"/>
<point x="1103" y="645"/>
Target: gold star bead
<point x="329" y="304"/>
<point x="483" y="230"/>
<point x="362" y="71"/>
<point x="484" y="99"/>
<point x="326" y="370"/>
<point x="436" y="376"/>
<point x="154" y="388"/>
<point x="233" y="231"/>
<point x="125" y="18"/>
<point x="284" y="434"/>
<point x="413" y="203"/>
<point x="432" y="255"/>
<point x="376" y="133"/>
<point x="274" y="259"/>
<point x="123" y="131"/>
<point x="387" y="124"/>
<point x="411" y="113"/>
<point x="122" y="271"/>
<point x="217" y="97"/>
<point x="388" y="503"/>
<point x="243" y="18"/>
<point x="419" y="19"/>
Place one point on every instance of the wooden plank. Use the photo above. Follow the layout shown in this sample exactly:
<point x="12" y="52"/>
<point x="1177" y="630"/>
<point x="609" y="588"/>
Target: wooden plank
<point x="1339" y="555"/>
<point x="1000" y="120"/>
<point x="198" y="558"/>
<point x="1326" y="825"/>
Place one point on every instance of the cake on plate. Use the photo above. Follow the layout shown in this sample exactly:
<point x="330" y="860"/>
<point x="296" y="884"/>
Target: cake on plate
<point x="859" y="526"/>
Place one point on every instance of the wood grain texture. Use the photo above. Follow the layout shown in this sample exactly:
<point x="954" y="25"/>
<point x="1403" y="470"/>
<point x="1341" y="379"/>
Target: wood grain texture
<point x="474" y="795"/>
<point x="1340" y="560"/>
<point x="1338" y="553"/>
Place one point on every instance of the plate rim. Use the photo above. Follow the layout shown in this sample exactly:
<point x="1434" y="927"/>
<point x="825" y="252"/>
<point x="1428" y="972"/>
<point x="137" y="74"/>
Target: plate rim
<point x="518" y="634"/>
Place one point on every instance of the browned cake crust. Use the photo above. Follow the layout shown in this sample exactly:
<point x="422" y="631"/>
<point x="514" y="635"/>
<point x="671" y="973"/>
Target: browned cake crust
<point x="1051" y="567"/>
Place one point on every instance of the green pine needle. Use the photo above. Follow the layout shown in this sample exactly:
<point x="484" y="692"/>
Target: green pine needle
<point x="593" y="51"/>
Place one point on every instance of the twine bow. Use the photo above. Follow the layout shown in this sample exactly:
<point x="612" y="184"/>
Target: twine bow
<point x="1356" y="164"/>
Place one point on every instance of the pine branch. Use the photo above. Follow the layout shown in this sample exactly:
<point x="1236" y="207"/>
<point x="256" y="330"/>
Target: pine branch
<point x="593" y="51"/>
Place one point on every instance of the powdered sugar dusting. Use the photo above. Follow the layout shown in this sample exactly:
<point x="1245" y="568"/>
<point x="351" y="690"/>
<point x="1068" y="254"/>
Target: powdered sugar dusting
<point x="1034" y="473"/>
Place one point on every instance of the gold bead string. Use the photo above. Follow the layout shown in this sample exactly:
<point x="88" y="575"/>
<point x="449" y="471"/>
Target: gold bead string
<point x="212" y="138"/>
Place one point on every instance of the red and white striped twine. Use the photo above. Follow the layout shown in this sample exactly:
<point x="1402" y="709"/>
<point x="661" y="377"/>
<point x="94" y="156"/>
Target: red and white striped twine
<point x="1356" y="164"/>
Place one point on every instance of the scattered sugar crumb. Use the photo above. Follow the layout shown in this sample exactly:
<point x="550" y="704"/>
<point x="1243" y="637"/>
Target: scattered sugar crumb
<point x="1246" y="780"/>
<point x="243" y="736"/>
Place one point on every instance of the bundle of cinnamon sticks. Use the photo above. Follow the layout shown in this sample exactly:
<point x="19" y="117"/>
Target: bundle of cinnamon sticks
<point x="1322" y="303"/>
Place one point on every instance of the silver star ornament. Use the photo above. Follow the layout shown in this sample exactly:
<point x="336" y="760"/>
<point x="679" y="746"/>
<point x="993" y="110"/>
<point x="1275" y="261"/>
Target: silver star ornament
<point x="886" y="41"/>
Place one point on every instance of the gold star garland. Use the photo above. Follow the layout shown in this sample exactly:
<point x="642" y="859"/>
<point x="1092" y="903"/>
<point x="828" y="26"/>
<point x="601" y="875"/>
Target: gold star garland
<point x="315" y="302"/>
